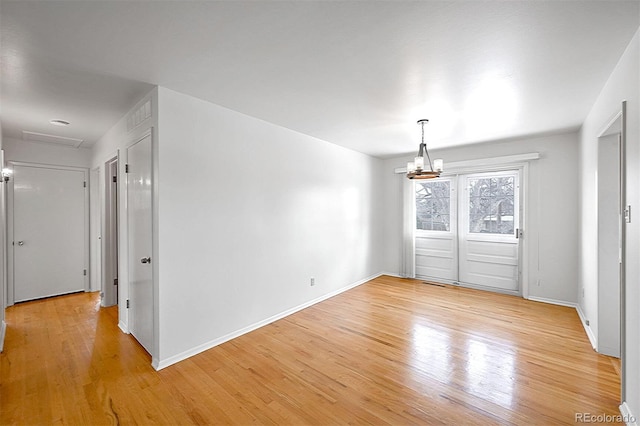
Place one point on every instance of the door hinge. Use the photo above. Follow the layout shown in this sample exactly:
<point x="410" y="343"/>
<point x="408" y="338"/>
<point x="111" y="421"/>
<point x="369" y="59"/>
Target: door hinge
<point x="84" y="184"/>
<point x="115" y="281"/>
<point x="115" y="179"/>
<point x="127" y="303"/>
<point x="627" y="214"/>
<point x="126" y="168"/>
<point x="519" y="233"/>
<point x="84" y="271"/>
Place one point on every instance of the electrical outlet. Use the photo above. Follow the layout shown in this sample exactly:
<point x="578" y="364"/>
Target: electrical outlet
<point x="313" y="281"/>
<point x="587" y="322"/>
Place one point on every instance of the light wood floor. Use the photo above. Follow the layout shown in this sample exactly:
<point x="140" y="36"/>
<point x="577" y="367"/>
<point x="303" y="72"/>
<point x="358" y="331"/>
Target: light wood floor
<point x="391" y="351"/>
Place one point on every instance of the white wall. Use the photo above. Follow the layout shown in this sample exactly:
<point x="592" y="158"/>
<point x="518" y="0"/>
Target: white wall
<point x="248" y="212"/>
<point x="552" y="212"/>
<point x="112" y="144"/>
<point x="623" y="84"/>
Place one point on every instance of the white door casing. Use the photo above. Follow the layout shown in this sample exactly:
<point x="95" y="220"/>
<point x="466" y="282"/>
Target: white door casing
<point x="139" y="213"/>
<point x="50" y="219"/>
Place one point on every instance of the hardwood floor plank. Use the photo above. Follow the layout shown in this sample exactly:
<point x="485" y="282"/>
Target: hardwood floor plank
<point x="391" y="351"/>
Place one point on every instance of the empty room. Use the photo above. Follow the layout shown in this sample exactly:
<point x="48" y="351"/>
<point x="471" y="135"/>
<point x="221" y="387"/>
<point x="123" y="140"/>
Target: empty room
<point x="319" y="212"/>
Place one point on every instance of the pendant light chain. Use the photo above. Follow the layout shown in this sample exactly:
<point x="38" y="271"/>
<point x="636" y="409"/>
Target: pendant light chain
<point x="426" y="151"/>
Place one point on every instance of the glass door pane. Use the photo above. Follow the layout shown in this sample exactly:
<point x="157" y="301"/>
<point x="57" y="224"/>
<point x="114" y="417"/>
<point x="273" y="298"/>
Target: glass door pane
<point x="491" y="205"/>
<point x="433" y="205"/>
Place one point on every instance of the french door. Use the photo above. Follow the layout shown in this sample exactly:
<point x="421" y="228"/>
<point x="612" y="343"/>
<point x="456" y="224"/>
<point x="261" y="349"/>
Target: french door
<point x="467" y="230"/>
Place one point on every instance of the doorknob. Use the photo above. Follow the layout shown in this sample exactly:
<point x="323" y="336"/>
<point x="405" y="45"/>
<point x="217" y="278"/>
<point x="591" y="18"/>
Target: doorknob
<point x="145" y="260"/>
<point x="20" y="243"/>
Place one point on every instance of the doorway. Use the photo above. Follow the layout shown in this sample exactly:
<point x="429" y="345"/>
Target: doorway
<point x="49" y="229"/>
<point x="468" y="229"/>
<point x="610" y="213"/>
<point x="110" y="237"/>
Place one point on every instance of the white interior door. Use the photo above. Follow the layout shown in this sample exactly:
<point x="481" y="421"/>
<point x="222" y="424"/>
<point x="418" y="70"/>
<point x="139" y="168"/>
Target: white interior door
<point x="49" y="228"/>
<point x="139" y="205"/>
<point x="466" y="230"/>
<point x="489" y="248"/>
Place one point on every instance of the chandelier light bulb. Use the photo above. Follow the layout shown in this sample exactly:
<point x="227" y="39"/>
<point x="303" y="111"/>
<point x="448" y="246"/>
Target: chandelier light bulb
<point x="419" y="163"/>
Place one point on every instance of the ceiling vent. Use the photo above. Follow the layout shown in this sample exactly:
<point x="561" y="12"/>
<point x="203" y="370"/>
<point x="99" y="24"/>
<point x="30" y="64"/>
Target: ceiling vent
<point x="139" y="116"/>
<point x="56" y="140"/>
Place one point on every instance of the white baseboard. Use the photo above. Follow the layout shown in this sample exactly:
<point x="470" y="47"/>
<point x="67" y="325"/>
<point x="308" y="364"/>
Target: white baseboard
<point x="391" y="274"/>
<point x="587" y="329"/>
<point x="160" y="364"/>
<point x="3" y="332"/>
<point x="576" y="306"/>
<point x="553" y="301"/>
<point x="627" y="415"/>
<point x="122" y="326"/>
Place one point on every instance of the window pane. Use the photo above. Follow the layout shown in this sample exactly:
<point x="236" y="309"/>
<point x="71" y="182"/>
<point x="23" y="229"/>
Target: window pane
<point x="432" y="205"/>
<point x="491" y="202"/>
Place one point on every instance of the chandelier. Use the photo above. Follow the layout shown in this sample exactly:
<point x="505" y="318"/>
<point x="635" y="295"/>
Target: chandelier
<point x="416" y="168"/>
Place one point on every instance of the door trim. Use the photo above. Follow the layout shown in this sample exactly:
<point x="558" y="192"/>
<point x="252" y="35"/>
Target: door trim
<point x="623" y="254"/>
<point x="10" y="224"/>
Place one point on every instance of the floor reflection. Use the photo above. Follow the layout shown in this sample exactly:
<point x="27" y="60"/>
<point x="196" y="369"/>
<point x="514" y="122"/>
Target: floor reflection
<point x="485" y="370"/>
<point x="490" y="372"/>
<point x="432" y="348"/>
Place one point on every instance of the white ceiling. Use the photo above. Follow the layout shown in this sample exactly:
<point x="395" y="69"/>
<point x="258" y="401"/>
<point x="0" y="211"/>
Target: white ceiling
<point x="354" y="73"/>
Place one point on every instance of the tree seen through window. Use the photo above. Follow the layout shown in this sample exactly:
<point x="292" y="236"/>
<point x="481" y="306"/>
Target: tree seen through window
<point x="491" y="205"/>
<point x="432" y="205"/>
